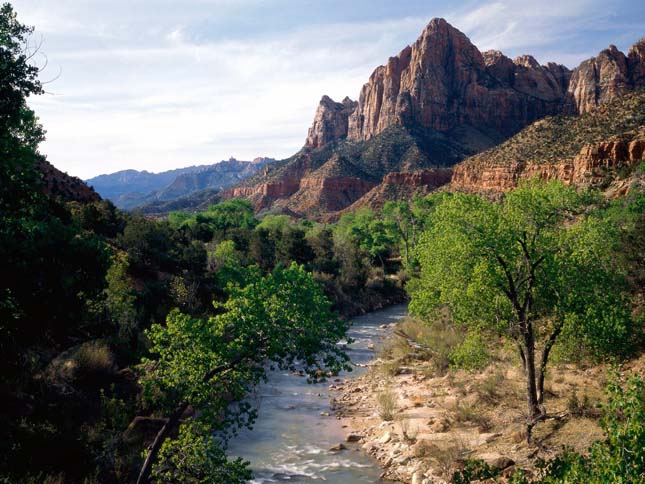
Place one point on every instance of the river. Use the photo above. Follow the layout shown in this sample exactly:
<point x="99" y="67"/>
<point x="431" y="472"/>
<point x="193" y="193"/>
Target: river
<point x="295" y="428"/>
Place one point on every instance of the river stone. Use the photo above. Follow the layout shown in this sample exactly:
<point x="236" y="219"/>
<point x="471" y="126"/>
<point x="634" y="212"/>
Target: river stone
<point x="385" y="438"/>
<point x="338" y="447"/>
<point x="353" y="438"/>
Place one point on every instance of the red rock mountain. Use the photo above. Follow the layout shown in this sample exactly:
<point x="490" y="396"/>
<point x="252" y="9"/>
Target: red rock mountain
<point x="439" y="101"/>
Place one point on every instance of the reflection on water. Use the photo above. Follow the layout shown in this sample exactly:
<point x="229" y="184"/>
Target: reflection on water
<point x="291" y="438"/>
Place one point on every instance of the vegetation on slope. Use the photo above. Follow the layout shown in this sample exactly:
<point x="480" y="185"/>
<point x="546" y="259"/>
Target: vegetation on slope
<point x="560" y="138"/>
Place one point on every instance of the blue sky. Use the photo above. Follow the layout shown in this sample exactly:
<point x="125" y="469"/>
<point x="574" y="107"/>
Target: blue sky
<point x="158" y="84"/>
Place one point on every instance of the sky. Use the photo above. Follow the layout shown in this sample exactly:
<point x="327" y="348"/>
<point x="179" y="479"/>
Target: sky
<point x="160" y="84"/>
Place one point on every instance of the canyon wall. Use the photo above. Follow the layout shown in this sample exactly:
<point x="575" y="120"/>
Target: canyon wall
<point x="591" y="168"/>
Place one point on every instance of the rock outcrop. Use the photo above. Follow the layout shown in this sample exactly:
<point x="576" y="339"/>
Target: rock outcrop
<point x="436" y="103"/>
<point x="592" y="167"/>
<point x="330" y="122"/>
<point x="443" y="81"/>
<point x="403" y="185"/>
<point x="609" y="75"/>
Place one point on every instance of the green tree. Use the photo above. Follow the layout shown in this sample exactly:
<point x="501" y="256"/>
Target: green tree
<point x="20" y="132"/>
<point x="282" y="318"/>
<point x="402" y="225"/>
<point x="368" y="232"/>
<point x="532" y="267"/>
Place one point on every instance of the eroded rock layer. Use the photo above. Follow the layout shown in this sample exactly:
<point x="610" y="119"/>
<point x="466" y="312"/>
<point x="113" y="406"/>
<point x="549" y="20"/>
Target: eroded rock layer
<point x="594" y="166"/>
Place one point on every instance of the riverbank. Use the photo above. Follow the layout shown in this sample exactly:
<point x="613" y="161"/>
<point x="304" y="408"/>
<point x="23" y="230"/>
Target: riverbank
<point x="421" y="425"/>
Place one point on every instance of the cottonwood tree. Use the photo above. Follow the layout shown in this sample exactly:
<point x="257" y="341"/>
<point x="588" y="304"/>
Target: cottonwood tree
<point x="210" y="364"/>
<point x="532" y="267"/>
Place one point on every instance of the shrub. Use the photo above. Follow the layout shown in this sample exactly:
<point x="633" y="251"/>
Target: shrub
<point x="386" y="404"/>
<point x="471" y="354"/>
<point x="489" y="387"/>
<point x="93" y="359"/>
<point x="465" y="412"/>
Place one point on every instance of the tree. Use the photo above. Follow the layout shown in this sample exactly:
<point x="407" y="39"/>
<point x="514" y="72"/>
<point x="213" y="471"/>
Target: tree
<point x="208" y="364"/>
<point x="402" y="224"/>
<point x="20" y="132"/>
<point x="532" y="267"/>
<point x="368" y="232"/>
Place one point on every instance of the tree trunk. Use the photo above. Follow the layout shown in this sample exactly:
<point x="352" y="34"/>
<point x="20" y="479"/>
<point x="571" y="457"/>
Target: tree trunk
<point x="534" y="410"/>
<point x="520" y="351"/>
<point x="171" y="423"/>
<point x="545" y="358"/>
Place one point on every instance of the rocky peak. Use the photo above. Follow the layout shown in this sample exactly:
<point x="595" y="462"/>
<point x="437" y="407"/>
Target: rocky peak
<point x="636" y="63"/>
<point x="527" y="61"/>
<point x="442" y="82"/>
<point x="607" y="76"/>
<point x="499" y="66"/>
<point x="330" y="122"/>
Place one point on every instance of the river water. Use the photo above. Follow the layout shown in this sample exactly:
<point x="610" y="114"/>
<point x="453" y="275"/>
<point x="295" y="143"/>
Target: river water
<point x="291" y="438"/>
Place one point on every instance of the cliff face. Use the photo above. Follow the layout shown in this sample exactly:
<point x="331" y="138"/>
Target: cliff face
<point x="586" y="150"/>
<point x="609" y="75"/>
<point x="443" y="81"/>
<point x="330" y="122"/>
<point x="403" y="185"/>
<point x="593" y="166"/>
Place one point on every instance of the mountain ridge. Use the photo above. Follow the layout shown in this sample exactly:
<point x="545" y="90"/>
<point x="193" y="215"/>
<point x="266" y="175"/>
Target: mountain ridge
<point x="436" y="103"/>
<point x="130" y="189"/>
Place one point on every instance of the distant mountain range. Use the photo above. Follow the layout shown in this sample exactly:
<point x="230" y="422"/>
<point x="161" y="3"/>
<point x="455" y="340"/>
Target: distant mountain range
<point x="129" y="189"/>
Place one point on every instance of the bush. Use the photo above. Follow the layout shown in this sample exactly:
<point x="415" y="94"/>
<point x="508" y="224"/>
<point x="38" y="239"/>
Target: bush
<point x="94" y="358"/>
<point x="386" y="404"/>
<point x="471" y="354"/>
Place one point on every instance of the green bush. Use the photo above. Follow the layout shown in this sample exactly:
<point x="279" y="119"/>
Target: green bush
<point x="471" y="354"/>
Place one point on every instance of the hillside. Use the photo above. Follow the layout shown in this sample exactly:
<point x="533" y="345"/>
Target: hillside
<point x="61" y="186"/>
<point x="580" y="150"/>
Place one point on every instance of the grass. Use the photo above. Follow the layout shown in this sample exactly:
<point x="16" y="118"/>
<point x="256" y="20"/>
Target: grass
<point x="439" y="336"/>
<point x="408" y="432"/>
<point x="464" y="412"/>
<point x="444" y="456"/>
<point x="386" y="400"/>
<point x="489" y="388"/>
<point x="93" y="358"/>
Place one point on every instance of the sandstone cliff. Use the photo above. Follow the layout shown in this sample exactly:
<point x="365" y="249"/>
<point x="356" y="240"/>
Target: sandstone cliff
<point x="400" y="186"/>
<point x="609" y="75"/>
<point x="330" y="122"/>
<point x="589" y="150"/>
<point x="594" y="166"/>
<point x="443" y="81"/>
